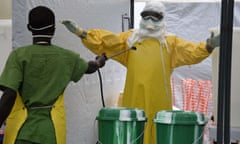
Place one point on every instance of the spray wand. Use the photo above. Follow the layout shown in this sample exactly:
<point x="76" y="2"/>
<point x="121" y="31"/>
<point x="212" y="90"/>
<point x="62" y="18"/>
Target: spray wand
<point x="121" y="52"/>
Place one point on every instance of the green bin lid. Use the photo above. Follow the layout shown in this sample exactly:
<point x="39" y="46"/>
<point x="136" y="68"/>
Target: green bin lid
<point x="121" y="114"/>
<point x="180" y="117"/>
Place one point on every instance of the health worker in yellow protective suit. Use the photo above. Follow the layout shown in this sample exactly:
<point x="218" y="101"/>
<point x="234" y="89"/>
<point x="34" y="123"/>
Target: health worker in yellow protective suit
<point x="150" y="66"/>
<point x="33" y="81"/>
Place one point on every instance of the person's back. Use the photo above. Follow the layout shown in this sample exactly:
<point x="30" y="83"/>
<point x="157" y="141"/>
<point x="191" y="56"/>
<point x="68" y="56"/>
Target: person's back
<point x="47" y="70"/>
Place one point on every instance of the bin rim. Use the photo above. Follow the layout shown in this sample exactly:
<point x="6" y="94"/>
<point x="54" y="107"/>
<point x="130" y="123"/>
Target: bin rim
<point x="121" y="114"/>
<point x="180" y="117"/>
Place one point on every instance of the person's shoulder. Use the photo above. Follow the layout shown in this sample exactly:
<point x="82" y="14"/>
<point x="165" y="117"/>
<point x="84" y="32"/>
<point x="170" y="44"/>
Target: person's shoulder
<point x="171" y="37"/>
<point x="60" y="48"/>
<point x="169" y="34"/>
<point x="22" y="48"/>
<point x="65" y="50"/>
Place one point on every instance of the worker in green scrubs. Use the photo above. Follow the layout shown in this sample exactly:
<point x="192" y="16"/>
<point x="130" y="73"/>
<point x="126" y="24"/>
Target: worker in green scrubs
<point x="33" y="82"/>
<point x="150" y="66"/>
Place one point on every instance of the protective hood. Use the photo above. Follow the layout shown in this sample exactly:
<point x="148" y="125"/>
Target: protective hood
<point x="155" y="6"/>
<point x="149" y="28"/>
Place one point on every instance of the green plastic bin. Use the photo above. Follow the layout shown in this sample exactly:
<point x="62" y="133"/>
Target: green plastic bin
<point x="180" y="127"/>
<point x="121" y="125"/>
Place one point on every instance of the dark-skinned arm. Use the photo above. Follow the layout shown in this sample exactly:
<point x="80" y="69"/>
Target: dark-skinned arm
<point x="6" y="103"/>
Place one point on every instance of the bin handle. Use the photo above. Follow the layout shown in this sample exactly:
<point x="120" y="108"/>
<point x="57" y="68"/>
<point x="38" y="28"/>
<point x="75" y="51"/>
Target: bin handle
<point x="94" y="132"/>
<point x="140" y="134"/>
<point x="195" y="141"/>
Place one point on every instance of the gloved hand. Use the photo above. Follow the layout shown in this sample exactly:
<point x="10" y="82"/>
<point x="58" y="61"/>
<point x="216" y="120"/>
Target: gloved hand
<point x="101" y="60"/>
<point x="213" y="42"/>
<point x="98" y="63"/>
<point x="72" y="27"/>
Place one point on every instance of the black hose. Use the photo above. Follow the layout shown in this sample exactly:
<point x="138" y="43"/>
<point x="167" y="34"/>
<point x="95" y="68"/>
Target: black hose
<point x="101" y="87"/>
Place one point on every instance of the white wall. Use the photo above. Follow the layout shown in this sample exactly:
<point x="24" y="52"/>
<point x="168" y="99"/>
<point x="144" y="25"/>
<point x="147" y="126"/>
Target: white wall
<point x="5" y="41"/>
<point x="235" y="79"/>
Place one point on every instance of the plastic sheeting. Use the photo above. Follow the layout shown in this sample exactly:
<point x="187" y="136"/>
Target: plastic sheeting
<point x="5" y="41"/>
<point x="5" y="48"/>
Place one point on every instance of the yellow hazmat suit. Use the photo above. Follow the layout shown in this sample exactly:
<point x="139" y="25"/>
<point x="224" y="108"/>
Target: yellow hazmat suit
<point x="149" y="68"/>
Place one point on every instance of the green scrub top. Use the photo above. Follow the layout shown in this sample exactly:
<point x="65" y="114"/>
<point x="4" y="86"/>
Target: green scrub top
<point x="40" y="74"/>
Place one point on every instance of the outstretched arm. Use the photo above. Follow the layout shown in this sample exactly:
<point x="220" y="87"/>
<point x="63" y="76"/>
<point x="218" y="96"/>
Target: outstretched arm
<point x="74" y="28"/>
<point x="102" y="41"/>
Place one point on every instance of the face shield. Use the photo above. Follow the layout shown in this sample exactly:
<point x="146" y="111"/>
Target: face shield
<point x="152" y="16"/>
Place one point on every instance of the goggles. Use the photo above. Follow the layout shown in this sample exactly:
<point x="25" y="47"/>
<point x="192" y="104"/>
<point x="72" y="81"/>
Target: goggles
<point x="156" y="17"/>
